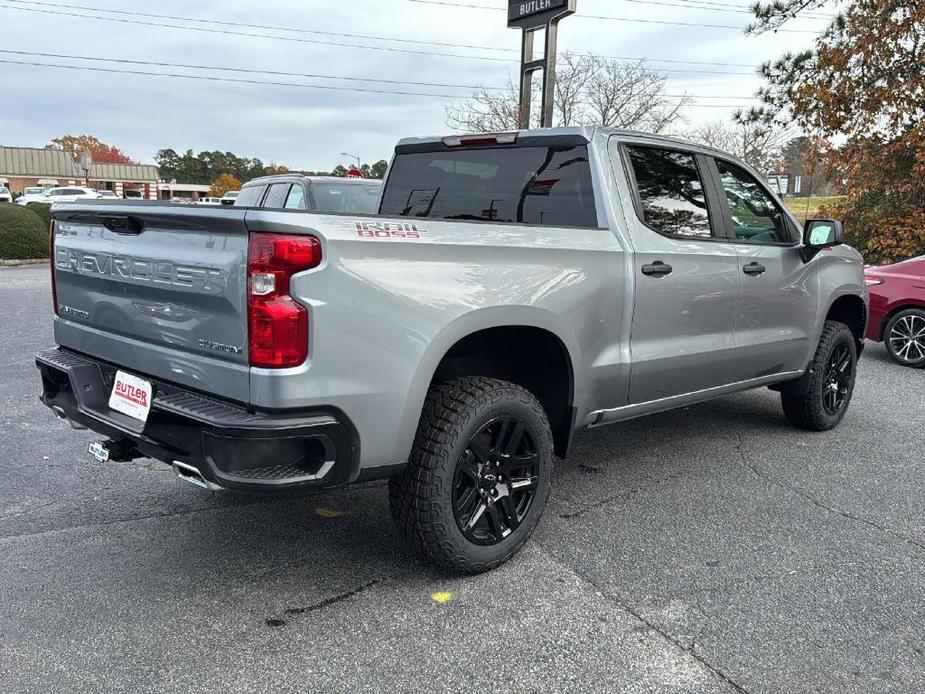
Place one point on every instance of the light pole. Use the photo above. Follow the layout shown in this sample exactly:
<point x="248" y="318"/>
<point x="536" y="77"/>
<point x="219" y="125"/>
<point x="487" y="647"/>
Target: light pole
<point x="352" y="156"/>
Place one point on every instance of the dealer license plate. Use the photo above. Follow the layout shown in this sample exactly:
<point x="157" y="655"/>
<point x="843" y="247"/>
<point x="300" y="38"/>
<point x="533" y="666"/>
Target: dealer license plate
<point x="131" y="395"/>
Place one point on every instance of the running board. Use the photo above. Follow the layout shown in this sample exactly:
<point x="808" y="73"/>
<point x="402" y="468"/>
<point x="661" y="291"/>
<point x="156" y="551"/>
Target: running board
<point x="620" y="414"/>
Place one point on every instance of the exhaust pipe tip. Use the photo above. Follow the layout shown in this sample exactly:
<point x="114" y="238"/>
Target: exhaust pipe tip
<point x="189" y="473"/>
<point x="62" y="415"/>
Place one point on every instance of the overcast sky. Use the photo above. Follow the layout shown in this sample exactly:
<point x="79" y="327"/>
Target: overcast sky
<point x="309" y="128"/>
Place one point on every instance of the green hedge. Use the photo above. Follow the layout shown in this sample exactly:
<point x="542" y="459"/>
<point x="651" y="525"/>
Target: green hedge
<point x="23" y="234"/>
<point x="42" y="209"/>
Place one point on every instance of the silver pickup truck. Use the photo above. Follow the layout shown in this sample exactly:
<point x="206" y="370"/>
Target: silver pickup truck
<point x="513" y="288"/>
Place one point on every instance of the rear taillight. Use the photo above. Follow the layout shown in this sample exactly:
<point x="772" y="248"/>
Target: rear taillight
<point x="51" y="263"/>
<point x="277" y="324"/>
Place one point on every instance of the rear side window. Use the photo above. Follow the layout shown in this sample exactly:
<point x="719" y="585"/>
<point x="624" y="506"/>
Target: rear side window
<point x="296" y="198"/>
<point x="249" y="196"/>
<point x="353" y="197"/>
<point x="671" y="195"/>
<point x="548" y="186"/>
<point x="276" y="196"/>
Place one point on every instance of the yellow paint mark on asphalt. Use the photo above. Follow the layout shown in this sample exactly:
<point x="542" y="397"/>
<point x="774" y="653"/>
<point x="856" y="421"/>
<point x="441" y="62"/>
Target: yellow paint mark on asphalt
<point x="441" y="597"/>
<point x="328" y="512"/>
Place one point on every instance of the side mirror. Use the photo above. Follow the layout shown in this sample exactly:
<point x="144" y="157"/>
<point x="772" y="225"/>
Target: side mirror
<point x="822" y="233"/>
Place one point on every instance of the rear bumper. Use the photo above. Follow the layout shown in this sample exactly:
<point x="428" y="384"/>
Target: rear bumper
<point x="230" y="446"/>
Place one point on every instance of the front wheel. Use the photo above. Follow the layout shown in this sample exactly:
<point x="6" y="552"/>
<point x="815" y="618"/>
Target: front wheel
<point x="904" y="337"/>
<point x="831" y="383"/>
<point x="479" y="474"/>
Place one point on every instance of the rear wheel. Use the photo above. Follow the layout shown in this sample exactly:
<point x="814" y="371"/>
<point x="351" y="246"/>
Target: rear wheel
<point x="904" y="337"/>
<point x="831" y="382"/>
<point x="479" y="474"/>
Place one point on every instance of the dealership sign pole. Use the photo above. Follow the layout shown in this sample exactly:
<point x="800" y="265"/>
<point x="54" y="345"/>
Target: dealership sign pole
<point x="531" y="16"/>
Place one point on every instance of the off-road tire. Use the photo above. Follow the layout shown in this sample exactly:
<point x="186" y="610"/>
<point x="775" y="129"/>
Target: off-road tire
<point x="807" y="411"/>
<point x="420" y="498"/>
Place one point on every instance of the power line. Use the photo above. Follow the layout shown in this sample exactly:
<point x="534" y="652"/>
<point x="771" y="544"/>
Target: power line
<point x="699" y="5"/>
<point x="226" y="79"/>
<point x="267" y="27"/>
<point x="617" y="19"/>
<point x="230" y="32"/>
<point x="342" y="45"/>
<point x="275" y="83"/>
<point x="243" y="70"/>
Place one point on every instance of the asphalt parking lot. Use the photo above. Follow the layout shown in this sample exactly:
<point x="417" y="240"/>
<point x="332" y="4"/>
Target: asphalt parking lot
<point x="711" y="549"/>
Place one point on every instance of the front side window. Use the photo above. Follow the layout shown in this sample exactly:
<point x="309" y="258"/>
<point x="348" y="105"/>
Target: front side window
<point x="548" y="186"/>
<point x="755" y="214"/>
<point x="670" y="190"/>
<point x="276" y="196"/>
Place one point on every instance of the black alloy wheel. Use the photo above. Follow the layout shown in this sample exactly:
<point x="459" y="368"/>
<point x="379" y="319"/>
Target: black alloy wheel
<point x="839" y="373"/>
<point x="495" y="481"/>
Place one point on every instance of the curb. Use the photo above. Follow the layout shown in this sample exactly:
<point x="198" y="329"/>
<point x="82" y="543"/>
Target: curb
<point x="17" y="263"/>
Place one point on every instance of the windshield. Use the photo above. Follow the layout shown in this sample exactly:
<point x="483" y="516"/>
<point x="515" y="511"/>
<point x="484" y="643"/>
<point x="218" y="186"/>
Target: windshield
<point x="33" y="191"/>
<point x="4" y="190"/>
<point x="549" y="186"/>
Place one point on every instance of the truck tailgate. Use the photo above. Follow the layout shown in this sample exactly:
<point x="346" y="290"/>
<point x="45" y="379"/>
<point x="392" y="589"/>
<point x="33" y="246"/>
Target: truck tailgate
<point x="157" y="289"/>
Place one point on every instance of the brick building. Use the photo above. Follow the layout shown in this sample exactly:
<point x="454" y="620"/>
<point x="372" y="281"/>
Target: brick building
<point x="22" y="167"/>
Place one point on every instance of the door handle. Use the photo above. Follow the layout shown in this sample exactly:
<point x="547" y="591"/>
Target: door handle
<point x="657" y="269"/>
<point x="754" y="269"/>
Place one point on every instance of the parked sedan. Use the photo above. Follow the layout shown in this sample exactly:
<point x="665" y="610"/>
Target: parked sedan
<point x="897" y="309"/>
<point x="5" y="195"/>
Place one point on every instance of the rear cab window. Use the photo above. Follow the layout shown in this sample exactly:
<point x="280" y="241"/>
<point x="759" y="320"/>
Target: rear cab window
<point x="537" y="185"/>
<point x="345" y="197"/>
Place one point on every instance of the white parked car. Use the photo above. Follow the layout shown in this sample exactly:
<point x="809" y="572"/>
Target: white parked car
<point x="66" y="194"/>
<point x="5" y="195"/>
<point x="209" y="201"/>
<point x="229" y="197"/>
<point x="108" y="194"/>
<point x="31" y="194"/>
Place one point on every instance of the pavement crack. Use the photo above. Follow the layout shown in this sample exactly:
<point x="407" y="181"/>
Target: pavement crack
<point x="758" y="472"/>
<point x="327" y="602"/>
<point x="32" y="509"/>
<point x="610" y="499"/>
<point x="623" y="604"/>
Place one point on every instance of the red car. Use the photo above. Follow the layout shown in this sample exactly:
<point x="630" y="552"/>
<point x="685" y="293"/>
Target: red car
<point x="897" y="309"/>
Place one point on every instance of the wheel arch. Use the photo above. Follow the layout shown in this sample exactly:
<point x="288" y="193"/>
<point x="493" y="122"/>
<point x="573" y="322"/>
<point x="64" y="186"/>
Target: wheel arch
<point x="899" y="308"/>
<point x="851" y="310"/>
<point x="511" y="343"/>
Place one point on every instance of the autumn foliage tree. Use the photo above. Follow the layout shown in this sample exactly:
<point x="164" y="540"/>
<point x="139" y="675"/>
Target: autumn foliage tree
<point x="223" y="184"/>
<point x="101" y="152"/>
<point x="862" y="88"/>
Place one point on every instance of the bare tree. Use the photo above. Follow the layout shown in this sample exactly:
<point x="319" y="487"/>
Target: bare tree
<point x="487" y="110"/>
<point x="573" y="77"/>
<point x="590" y="90"/>
<point x="759" y="144"/>
<point x="629" y="95"/>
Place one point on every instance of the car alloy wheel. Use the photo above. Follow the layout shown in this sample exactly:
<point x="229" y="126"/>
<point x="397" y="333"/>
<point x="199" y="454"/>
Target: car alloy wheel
<point x="495" y="481"/>
<point x="907" y="338"/>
